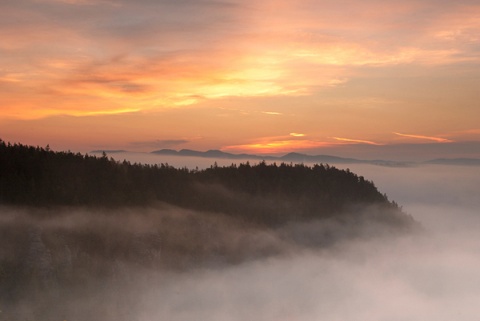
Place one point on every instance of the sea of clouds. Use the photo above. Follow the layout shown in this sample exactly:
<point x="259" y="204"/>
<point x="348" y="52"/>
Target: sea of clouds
<point x="433" y="274"/>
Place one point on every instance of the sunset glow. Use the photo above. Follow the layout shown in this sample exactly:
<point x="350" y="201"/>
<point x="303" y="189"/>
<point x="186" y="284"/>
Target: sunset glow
<point x="235" y="72"/>
<point x="277" y="146"/>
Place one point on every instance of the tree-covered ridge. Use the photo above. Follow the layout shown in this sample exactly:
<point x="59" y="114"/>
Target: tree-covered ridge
<point x="83" y="224"/>
<point x="271" y="193"/>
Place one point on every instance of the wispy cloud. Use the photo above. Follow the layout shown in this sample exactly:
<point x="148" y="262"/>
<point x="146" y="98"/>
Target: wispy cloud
<point x="271" y="113"/>
<point x="297" y="134"/>
<point x="473" y="131"/>
<point x="106" y="112"/>
<point x="251" y="112"/>
<point x="467" y="134"/>
<point x="355" y="141"/>
<point x="422" y="137"/>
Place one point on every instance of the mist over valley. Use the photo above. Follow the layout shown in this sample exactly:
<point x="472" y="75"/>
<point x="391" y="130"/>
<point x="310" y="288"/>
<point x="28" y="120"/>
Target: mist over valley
<point x="232" y="251"/>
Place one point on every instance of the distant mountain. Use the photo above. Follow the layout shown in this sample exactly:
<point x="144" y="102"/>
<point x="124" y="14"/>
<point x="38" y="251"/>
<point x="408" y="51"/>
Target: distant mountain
<point x="455" y="161"/>
<point x="290" y="157"/>
<point x="213" y="153"/>
<point x="297" y="157"/>
<point x="302" y="158"/>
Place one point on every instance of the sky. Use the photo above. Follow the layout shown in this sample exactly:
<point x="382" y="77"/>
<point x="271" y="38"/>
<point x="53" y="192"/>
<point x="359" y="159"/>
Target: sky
<point x="352" y="78"/>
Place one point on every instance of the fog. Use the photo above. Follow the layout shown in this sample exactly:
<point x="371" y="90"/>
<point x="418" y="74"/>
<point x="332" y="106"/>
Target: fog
<point x="434" y="275"/>
<point x="431" y="274"/>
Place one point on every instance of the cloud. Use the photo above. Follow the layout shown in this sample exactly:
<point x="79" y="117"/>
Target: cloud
<point x="271" y="113"/>
<point x="471" y="134"/>
<point x="105" y="112"/>
<point x="297" y="135"/>
<point x="214" y="49"/>
<point x="436" y="139"/>
<point x="358" y="141"/>
<point x="473" y="131"/>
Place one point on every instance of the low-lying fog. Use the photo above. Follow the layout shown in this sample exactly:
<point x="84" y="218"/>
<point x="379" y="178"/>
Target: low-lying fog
<point x="431" y="275"/>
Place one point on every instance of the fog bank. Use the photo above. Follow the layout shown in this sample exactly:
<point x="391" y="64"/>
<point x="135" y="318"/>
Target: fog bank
<point x="408" y="279"/>
<point x="434" y="275"/>
<point x="430" y="275"/>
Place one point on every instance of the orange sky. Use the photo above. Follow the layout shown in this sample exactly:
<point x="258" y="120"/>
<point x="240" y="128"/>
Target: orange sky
<point x="241" y="76"/>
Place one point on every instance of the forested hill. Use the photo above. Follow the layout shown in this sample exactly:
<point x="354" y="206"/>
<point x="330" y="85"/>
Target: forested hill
<point x="262" y="193"/>
<point x="83" y="237"/>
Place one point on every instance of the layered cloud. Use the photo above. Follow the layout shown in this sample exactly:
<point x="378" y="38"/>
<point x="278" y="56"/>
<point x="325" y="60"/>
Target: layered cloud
<point x="83" y="57"/>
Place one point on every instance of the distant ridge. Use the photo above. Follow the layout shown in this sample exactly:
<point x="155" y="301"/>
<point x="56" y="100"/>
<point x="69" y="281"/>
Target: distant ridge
<point x="319" y="158"/>
<point x="455" y="161"/>
<point x="213" y="153"/>
<point x="290" y="157"/>
<point x="302" y="158"/>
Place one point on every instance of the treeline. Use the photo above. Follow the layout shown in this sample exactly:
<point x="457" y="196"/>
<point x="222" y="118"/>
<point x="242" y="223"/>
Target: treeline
<point x="265" y="193"/>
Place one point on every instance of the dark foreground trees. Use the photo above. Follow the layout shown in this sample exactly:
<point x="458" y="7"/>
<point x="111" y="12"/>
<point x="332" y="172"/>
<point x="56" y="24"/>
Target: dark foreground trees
<point x="262" y="193"/>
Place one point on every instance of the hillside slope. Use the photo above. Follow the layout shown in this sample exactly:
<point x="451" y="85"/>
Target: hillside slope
<point x="74" y="226"/>
<point x="261" y="193"/>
